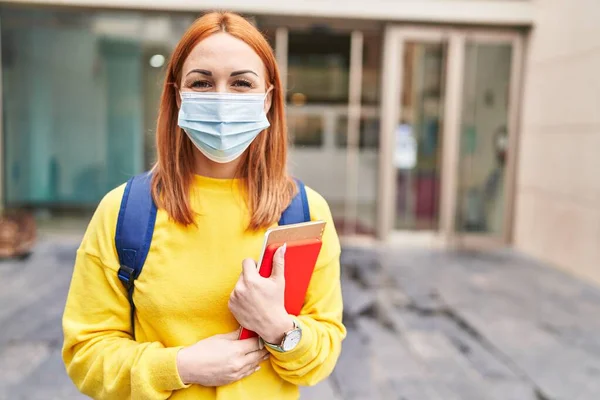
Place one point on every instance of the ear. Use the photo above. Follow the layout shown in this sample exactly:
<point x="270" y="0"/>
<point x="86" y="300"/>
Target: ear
<point x="177" y="96"/>
<point x="269" y="99"/>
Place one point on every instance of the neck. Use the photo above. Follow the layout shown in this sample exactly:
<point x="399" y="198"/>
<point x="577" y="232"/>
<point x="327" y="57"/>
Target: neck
<point x="211" y="169"/>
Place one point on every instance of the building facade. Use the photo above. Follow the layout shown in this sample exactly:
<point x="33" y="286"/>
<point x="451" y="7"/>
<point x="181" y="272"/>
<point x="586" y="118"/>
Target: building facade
<point x="407" y="117"/>
<point x="557" y="215"/>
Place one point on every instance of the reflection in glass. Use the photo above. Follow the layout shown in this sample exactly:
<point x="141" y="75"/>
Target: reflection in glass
<point x="417" y="152"/>
<point x="367" y="170"/>
<point x="306" y="130"/>
<point x="484" y="138"/>
<point x="318" y="87"/>
<point x="368" y="132"/>
<point x="318" y="67"/>
<point x="79" y="91"/>
<point x="318" y="72"/>
<point x="371" y="68"/>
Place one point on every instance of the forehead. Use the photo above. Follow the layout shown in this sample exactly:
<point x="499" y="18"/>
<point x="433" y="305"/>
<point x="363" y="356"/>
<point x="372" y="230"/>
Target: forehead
<point x="223" y="52"/>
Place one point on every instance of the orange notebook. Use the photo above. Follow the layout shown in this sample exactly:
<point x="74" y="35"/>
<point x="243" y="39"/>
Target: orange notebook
<point x="300" y="259"/>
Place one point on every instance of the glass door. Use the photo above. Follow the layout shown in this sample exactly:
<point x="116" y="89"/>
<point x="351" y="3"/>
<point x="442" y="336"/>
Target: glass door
<point x="413" y="118"/>
<point x="418" y="136"/>
<point x="487" y="138"/>
<point x="448" y="148"/>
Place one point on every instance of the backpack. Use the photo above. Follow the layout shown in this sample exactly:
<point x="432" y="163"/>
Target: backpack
<point x="135" y="226"/>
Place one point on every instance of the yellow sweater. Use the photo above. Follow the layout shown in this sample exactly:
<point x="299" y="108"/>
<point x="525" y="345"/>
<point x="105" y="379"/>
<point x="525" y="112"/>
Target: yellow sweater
<point x="182" y="296"/>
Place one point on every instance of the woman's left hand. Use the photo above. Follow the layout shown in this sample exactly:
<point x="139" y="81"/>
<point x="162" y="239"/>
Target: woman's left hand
<point x="258" y="303"/>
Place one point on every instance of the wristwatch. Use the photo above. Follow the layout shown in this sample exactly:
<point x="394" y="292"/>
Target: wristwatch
<point x="290" y="339"/>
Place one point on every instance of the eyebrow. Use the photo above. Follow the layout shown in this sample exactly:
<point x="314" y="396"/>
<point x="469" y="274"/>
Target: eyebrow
<point x="234" y="73"/>
<point x="200" y="71"/>
<point x="244" y="71"/>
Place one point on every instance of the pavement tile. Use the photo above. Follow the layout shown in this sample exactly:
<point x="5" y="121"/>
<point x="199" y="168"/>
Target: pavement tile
<point x="49" y="385"/>
<point x="20" y="359"/>
<point x="321" y="391"/>
<point x="353" y="375"/>
<point x="422" y="325"/>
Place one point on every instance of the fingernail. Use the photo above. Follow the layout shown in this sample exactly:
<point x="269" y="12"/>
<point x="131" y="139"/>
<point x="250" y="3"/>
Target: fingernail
<point x="283" y="249"/>
<point x="257" y="369"/>
<point x="265" y="358"/>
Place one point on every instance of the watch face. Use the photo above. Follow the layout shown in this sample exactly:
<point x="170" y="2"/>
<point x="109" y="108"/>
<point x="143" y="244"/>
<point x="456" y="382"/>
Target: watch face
<point x="292" y="339"/>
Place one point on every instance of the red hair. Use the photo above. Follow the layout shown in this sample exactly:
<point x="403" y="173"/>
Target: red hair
<point x="268" y="187"/>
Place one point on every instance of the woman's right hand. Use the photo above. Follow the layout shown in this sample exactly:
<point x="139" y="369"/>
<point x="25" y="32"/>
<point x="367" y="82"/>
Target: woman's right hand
<point x="219" y="360"/>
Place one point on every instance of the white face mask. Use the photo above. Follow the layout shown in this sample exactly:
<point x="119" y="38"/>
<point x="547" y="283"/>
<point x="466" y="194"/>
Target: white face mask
<point x="222" y="125"/>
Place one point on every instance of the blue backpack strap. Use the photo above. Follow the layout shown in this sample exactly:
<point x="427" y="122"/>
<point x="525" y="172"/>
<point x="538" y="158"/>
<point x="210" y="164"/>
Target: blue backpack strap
<point x="298" y="210"/>
<point x="135" y="226"/>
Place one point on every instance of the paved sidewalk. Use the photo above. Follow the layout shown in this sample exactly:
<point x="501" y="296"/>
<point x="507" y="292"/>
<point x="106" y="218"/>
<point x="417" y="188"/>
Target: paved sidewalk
<point x="422" y="325"/>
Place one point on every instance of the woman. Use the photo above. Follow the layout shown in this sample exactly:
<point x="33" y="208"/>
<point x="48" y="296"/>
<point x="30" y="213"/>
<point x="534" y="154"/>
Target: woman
<point x="199" y="283"/>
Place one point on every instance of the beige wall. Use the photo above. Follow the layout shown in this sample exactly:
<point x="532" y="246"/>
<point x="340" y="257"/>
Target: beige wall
<point x="558" y="190"/>
<point x="511" y="12"/>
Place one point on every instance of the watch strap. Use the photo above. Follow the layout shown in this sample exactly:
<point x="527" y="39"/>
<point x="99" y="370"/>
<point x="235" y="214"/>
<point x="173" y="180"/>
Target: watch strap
<point x="279" y="347"/>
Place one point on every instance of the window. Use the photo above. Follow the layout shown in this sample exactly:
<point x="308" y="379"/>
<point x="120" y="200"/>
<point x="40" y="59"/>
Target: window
<point x="306" y="130"/>
<point x="80" y="89"/>
<point x="318" y="67"/>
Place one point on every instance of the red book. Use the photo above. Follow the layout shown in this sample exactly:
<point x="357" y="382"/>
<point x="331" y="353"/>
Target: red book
<point x="300" y="259"/>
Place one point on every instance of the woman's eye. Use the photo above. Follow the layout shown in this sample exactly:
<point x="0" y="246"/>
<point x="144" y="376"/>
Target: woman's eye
<point x="200" y="84"/>
<point x="242" y="83"/>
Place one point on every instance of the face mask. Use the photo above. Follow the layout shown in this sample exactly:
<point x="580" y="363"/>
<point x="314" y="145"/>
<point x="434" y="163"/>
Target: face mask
<point x="222" y="125"/>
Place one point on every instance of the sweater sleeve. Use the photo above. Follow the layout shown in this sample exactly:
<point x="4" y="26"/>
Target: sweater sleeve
<point x="314" y="358"/>
<point x="99" y="352"/>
